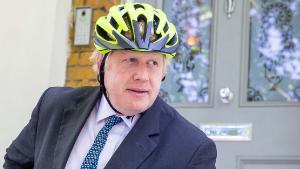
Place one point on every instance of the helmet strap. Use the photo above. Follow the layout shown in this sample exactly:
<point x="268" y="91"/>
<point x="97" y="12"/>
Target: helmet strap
<point x="100" y="79"/>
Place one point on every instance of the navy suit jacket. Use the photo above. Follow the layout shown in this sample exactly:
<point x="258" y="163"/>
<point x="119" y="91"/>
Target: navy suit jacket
<point x="161" y="139"/>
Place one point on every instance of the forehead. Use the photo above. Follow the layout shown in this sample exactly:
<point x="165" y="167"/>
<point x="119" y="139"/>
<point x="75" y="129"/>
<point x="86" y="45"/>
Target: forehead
<point x="142" y="55"/>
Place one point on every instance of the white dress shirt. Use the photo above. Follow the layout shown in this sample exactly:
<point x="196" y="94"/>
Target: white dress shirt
<point x="88" y="133"/>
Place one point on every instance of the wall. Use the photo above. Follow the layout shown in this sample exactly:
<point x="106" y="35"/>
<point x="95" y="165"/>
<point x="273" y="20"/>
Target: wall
<point x="36" y="53"/>
<point x="33" y="53"/>
<point x="79" y="72"/>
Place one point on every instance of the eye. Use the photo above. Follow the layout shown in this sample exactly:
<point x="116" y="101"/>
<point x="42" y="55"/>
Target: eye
<point x="132" y="60"/>
<point x="153" y="62"/>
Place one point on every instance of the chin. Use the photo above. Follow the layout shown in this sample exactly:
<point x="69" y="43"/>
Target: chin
<point x="136" y="109"/>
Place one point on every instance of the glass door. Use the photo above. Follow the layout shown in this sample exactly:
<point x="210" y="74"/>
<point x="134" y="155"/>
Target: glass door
<point x="237" y="77"/>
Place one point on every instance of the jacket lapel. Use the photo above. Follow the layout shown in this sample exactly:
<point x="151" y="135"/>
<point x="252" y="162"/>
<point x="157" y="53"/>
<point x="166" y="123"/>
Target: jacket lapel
<point x="73" y="119"/>
<point x="139" y="143"/>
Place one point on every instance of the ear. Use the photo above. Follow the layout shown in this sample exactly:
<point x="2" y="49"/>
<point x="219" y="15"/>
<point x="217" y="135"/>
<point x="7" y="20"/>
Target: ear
<point x="98" y="59"/>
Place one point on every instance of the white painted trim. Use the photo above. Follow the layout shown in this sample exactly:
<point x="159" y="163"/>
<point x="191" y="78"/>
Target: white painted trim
<point x="243" y="161"/>
<point x="60" y="48"/>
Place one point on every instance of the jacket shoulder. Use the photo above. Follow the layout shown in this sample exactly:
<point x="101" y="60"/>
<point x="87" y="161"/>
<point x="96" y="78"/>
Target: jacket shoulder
<point x="69" y="91"/>
<point x="58" y="94"/>
<point x="59" y="98"/>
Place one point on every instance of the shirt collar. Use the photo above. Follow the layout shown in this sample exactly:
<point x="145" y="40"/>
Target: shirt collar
<point x="104" y="111"/>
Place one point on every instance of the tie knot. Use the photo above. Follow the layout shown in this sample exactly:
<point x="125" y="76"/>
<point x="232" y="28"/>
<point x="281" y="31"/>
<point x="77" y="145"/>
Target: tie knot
<point x="113" y="120"/>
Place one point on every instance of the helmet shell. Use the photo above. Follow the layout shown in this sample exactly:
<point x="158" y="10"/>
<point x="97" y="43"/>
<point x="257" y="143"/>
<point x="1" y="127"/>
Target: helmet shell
<point x="136" y="26"/>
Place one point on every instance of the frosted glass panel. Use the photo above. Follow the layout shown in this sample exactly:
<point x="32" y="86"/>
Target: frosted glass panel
<point x="187" y="80"/>
<point x="274" y="67"/>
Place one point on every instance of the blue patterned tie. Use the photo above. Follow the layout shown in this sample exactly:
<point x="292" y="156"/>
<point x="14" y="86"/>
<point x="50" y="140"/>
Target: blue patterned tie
<point x="92" y="157"/>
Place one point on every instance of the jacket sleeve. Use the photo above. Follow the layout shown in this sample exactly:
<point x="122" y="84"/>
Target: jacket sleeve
<point x="20" y="154"/>
<point x="204" y="157"/>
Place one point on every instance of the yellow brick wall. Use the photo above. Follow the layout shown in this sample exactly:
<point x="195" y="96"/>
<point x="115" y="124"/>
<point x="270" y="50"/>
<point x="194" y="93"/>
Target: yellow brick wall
<point x="79" y="70"/>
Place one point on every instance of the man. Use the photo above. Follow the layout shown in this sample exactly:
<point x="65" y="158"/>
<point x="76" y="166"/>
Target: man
<point x="123" y="124"/>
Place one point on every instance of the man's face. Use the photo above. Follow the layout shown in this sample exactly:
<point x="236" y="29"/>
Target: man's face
<point x="132" y="80"/>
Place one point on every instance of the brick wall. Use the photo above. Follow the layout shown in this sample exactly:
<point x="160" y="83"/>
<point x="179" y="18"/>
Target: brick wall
<point x="79" y="68"/>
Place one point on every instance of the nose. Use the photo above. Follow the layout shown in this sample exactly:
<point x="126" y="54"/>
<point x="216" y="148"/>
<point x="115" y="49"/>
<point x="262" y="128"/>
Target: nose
<point x="141" y="73"/>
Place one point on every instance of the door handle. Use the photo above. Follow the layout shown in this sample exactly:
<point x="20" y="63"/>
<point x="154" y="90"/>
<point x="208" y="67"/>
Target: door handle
<point x="226" y="95"/>
<point x="229" y="7"/>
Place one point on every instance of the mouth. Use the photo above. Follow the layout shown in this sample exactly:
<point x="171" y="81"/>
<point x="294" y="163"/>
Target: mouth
<point x="138" y="92"/>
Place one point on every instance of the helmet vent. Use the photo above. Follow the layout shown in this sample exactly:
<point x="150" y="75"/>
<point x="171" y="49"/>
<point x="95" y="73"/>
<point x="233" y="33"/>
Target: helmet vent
<point x="142" y="25"/>
<point x="166" y="27"/>
<point x="136" y="6"/>
<point x="172" y="41"/>
<point x="155" y="36"/>
<point x="155" y="22"/>
<point x="114" y="23"/>
<point x="103" y="33"/>
<point x="128" y="34"/>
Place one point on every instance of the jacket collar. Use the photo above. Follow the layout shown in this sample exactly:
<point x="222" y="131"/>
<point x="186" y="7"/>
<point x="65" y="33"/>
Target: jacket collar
<point x="73" y="119"/>
<point x="139" y="143"/>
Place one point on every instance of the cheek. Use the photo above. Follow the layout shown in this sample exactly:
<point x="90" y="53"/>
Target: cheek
<point x="156" y="83"/>
<point x="114" y="81"/>
<point x="110" y="81"/>
<point x="107" y="80"/>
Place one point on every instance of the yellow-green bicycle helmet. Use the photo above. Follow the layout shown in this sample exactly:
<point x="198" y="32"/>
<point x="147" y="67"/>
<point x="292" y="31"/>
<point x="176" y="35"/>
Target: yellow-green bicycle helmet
<point x="136" y="26"/>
